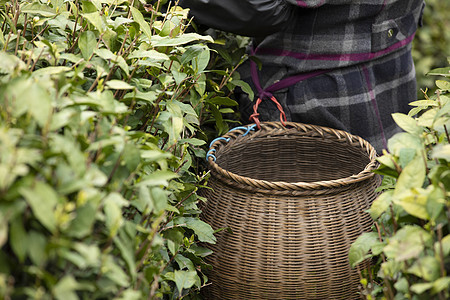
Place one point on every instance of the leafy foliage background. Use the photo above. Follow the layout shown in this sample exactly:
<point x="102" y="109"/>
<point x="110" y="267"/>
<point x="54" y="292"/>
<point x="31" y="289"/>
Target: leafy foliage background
<point x="431" y="45"/>
<point x="105" y="107"/>
<point x="410" y="245"/>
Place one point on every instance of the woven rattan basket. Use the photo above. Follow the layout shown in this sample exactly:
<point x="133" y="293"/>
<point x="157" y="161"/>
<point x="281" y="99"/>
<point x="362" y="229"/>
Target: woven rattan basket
<point x="294" y="198"/>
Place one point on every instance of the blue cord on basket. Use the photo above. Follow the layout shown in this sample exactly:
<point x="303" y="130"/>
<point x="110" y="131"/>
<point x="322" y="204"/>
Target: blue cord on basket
<point x="211" y="151"/>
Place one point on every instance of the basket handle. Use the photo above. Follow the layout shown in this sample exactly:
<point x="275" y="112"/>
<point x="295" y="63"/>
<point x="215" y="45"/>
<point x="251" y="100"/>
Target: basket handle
<point x="255" y="116"/>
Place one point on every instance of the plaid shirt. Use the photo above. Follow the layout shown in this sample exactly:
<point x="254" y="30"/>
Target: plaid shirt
<point x="361" y="48"/>
<point x="339" y="33"/>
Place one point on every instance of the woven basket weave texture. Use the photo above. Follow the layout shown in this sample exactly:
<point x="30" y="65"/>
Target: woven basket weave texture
<point x="294" y="198"/>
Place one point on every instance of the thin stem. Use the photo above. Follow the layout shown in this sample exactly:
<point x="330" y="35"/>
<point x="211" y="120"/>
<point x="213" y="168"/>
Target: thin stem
<point x="40" y="32"/>
<point x="17" y="42"/>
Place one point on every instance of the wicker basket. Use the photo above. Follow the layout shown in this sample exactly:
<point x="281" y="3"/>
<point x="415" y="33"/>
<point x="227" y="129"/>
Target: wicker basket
<point x="295" y="199"/>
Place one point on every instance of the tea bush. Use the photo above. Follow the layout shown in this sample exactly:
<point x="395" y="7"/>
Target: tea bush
<point x="102" y="105"/>
<point x="431" y="45"/>
<point x="410" y="246"/>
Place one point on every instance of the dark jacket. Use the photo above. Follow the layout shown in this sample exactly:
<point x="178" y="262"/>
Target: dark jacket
<point x="354" y="58"/>
<point x="315" y="34"/>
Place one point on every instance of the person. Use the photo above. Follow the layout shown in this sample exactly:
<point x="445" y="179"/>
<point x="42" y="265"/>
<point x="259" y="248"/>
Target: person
<point x="343" y="64"/>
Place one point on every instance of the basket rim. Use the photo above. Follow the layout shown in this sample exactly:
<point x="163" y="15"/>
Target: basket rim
<point x="249" y="183"/>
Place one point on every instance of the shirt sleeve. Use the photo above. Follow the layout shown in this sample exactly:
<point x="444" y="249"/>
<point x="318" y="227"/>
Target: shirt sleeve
<point x="254" y="18"/>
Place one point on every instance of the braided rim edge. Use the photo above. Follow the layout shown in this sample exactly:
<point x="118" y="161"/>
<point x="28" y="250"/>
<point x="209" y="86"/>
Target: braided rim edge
<point x="281" y="187"/>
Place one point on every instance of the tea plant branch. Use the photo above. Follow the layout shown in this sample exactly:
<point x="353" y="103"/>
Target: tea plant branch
<point x="17" y="12"/>
<point x="40" y="33"/>
<point x="394" y="220"/>
<point x="161" y="269"/>
<point x="196" y="289"/>
<point x="72" y="48"/>
<point x="5" y="47"/>
<point x="72" y="39"/>
<point x="148" y="242"/>
<point x="17" y="42"/>
<point x="37" y="59"/>
<point x="25" y="25"/>
<point x="6" y="16"/>
<point x="438" y="92"/>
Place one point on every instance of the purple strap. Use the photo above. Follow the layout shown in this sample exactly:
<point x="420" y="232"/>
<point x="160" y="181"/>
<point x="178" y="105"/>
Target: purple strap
<point x="279" y="85"/>
<point x="374" y="104"/>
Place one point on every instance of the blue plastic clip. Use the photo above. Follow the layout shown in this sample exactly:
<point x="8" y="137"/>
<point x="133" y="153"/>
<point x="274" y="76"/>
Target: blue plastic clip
<point x="219" y="139"/>
<point x="247" y="128"/>
<point x="210" y="154"/>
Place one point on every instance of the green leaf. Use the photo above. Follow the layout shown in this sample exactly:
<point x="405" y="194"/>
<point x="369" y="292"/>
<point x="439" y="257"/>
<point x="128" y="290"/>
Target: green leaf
<point x="159" y="199"/>
<point x="443" y="85"/>
<point x="199" y="251"/>
<point x="65" y="288"/>
<point x="360" y="248"/>
<point x="131" y="294"/>
<point x="427" y="267"/>
<point x="184" y="279"/>
<point x="105" y="54"/>
<point x="407" y="123"/>
<point x="119" y="85"/>
<point x="139" y="18"/>
<point x="407" y="243"/>
<point x="149" y="96"/>
<point x="435" y="202"/>
<point x="131" y="156"/>
<point x="445" y="244"/>
<point x="415" y="204"/>
<point x="245" y="87"/>
<point x="180" y="40"/>
<point x="193" y="142"/>
<point x="158" y="178"/>
<point x="440" y="72"/>
<point x="203" y="230"/>
<point x="424" y="103"/>
<point x="3" y="230"/>
<point x="123" y="64"/>
<point x="95" y="19"/>
<point x="404" y="140"/>
<point x="406" y="156"/>
<point x="149" y="54"/>
<point x="184" y="262"/>
<point x="90" y="254"/>
<point x="114" y="272"/>
<point x="126" y="249"/>
<point x="82" y="225"/>
<point x="191" y="52"/>
<point x="381" y="204"/>
<point x="441" y="284"/>
<point x="420" y="288"/>
<point x="223" y="101"/>
<point x="200" y="62"/>
<point x="37" y="248"/>
<point x="50" y="71"/>
<point x="9" y="63"/>
<point x="113" y="212"/>
<point x="42" y="199"/>
<point x="38" y="9"/>
<point x="441" y="152"/>
<point x="87" y="43"/>
<point x="412" y="176"/>
<point x="402" y="285"/>
<point x="427" y="118"/>
<point x="174" y="237"/>
<point x="18" y="239"/>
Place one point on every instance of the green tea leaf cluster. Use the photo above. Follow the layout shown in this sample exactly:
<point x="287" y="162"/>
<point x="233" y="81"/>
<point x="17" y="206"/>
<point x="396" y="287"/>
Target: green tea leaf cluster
<point x="102" y="105"/>
<point x="411" y="241"/>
